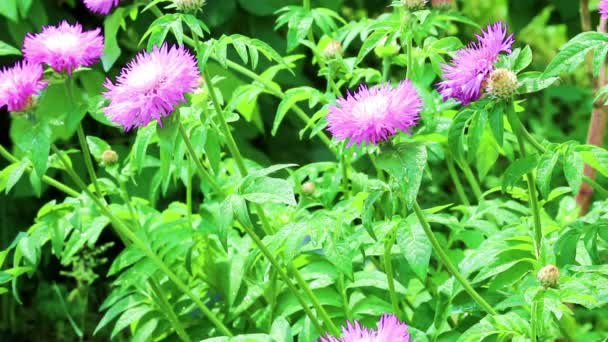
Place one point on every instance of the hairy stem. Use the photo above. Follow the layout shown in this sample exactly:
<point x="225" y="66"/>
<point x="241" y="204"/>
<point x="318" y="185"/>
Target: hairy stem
<point x="534" y="206"/>
<point x="446" y="261"/>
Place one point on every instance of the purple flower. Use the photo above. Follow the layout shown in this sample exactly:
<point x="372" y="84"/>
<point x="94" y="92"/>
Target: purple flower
<point x="101" y="6"/>
<point x="151" y="86"/>
<point x="463" y="79"/>
<point x="389" y="330"/>
<point x="18" y="84"/>
<point x="64" y="47"/>
<point x="374" y="114"/>
<point x="603" y="9"/>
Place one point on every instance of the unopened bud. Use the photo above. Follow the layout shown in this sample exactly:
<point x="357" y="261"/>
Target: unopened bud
<point x="442" y="4"/>
<point x="413" y="4"/>
<point x="386" y="49"/>
<point x="333" y="49"/>
<point x="189" y="5"/>
<point x="109" y="157"/>
<point x="548" y="276"/>
<point x="502" y="83"/>
<point x="308" y="188"/>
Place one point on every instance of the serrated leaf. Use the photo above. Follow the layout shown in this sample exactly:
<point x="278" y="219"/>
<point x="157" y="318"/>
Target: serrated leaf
<point x="573" y="169"/>
<point x="546" y="164"/>
<point x="415" y="246"/>
<point x="517" y="170"/>
<point x="406" y="163"/>
<point x="573" y="53"/>
<point x="273" y="190"/>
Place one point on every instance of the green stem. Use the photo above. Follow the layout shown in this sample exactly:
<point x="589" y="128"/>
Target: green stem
<point x="472" y="180"/>
<point x="48" y="180"/>
<point x="445" y="260"/>
<point x="345" y="304"/>
<point x="410" y="60"/>
<point x="534" y="206"/>
<point x="88" y="162"/>
<point x="123" y="230"/>
<point x="313" y="298"/>
<point x="541" y="149"/>
<point x="274" y="262"/>
<point x="388" y="269"/>
<point x="454" y="175"/>
<point x="169" y="312"/>
<point x="386" y="69"/>
<point x="344" y="167"/>
<point x="205" y="176"/>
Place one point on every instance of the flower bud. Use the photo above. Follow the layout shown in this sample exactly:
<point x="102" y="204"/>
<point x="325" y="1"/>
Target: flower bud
<point x="189" y="5"/>
<point x="548" y="276"/>
<point x="413" y="4"/>
<point x="333" y="49"/>
<point x="109" y="157"/>
<point x="442" y="4"/>
<point x="386" y="49"/>
<point x="502" y="83"/>
<point x="309" y="188"/>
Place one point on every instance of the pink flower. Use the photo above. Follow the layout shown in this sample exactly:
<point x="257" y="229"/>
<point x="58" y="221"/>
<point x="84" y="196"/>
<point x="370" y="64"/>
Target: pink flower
<point x="603" y="9"/>
<point x="151" y="86"/>
<point x="18" y="84"/>
<point x="464" y="78"/>
<point x="389" y="330"/>
<point x="101" y="6"/>
<point x="375" y="114"/>
<point x="64" y="47"/>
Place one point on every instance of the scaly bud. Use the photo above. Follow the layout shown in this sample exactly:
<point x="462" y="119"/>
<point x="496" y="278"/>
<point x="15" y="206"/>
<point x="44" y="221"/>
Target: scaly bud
<point x="189" y="5"/>
<point x="502" y="83"/>
<point x="309" y="188"/>
<point x="109" y="157"/>
<point x="333" y="49"/>
<point x="413" y="4"/>
<point x="548" y="276"/>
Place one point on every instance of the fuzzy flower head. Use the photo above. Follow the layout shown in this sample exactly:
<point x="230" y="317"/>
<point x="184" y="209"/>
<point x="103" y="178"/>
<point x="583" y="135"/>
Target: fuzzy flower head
<point x="389" y="330"/>
<point x="375" y="114"/>
<point x="19" y="84"/>
<point x="463" y="79"/>
<point x="100" y="6"/>
<point x="603" y="9"/>
<point x="151" y="86"/>
<point x="64" y="47"/>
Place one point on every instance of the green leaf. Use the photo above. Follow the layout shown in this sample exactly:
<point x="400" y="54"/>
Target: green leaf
<point x="405" y="162"/>
<point x="546" y="164"/>
<point x="531" y="82"/>
<point x="11" y="175"/>
<point x="111" y="25"/>
<point x="292" y="96"/>
<point x="415" y="245"/>
<point x="573" y="169"/>
<point x="6" y="50"/>
<point x="517" y="170"/>
<point x="265" y="189"/>
<point x="595" y="156"/>
<point x="167" y="136"/>
<point x="497" y="123"/>
<point x="523" y="59"/>
<point x="456" y="134"/>
<point x="573" y="53"/>
<point x="138" y="151"/>
<point x="486" y="155"/>
<point x="281" y="330"/>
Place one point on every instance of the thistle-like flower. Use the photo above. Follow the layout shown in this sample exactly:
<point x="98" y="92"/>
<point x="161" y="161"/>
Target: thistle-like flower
<point x="603" y="9"/>
<point x="101" y="6"/>
<point x="548" y="276"/>
<point x="18" y="85"/>
<point x="64" y="47"/>
<point x="374" y="114"/>
<point x="151" y="86"/>
<point x="463" y="79"/>
<point x="389" y="330"/>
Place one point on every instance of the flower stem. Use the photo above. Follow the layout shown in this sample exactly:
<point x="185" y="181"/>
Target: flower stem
<point x="234" y="151"/>
<point x="445" y="260"/>
<point x="123" y="230"/>
<point x="388" y="268"/>
<point x="48" y="180"/>
<point x="534" y="206"/>
<point x="88" y="162"/>
<point x="275" y="263"/>
<point x="454" y="175"/>
<point x="468" y="174"/>
<point x="169" y="312"/>
<point x="205" y="176"/>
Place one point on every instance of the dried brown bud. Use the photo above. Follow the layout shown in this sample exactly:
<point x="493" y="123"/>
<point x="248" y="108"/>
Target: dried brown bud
<point x="109" y="157"/>
<point x="333" y="49"/>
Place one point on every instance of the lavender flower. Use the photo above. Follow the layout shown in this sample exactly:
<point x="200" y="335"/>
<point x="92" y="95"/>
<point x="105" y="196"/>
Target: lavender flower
<point x="464" y="78"/>
<point x="389" y="330"/>
<point x="375" y="114"/>
<point x="101" y="6"/>
<point x="18" y="84"/>
<point x="64" y="47"/>
<point x="603" y="9"/>
<point x="151" y="86"/>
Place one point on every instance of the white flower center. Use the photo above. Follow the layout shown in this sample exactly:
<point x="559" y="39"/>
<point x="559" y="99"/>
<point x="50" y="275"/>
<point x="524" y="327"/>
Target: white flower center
<point x="145" y="76"/>
<point x="371" y="107"/>
<point x="62" y="41"/>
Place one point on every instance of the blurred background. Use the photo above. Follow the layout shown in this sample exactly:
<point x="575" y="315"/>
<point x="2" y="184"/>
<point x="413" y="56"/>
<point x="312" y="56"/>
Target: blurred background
<point x="559" y="114"/>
